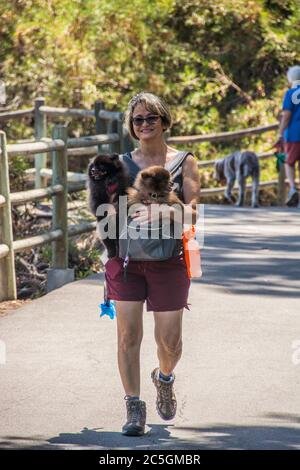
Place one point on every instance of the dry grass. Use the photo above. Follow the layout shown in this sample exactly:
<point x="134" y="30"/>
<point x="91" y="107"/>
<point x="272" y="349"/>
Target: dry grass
<point x="10" y="305"/>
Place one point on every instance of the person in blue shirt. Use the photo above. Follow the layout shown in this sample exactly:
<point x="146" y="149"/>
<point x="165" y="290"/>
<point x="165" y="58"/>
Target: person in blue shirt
<point x="289" y="131"/>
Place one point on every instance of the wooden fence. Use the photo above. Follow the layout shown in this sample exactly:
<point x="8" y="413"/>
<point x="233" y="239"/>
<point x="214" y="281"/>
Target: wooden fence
<point x="110" y="133"/>
<point x="106" y="123"/>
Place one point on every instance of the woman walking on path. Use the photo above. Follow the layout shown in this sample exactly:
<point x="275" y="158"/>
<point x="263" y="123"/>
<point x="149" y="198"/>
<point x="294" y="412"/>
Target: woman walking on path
<point x="289" y="131"/>
<point x="164" y="284"/>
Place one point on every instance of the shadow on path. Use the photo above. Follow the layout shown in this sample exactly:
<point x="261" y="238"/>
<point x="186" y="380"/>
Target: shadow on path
<point x="192" y="438"/>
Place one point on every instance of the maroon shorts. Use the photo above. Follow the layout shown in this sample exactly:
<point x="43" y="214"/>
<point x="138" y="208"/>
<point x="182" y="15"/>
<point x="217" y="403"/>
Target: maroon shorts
<point x="163" y="284"/>
<point x="292" y="149"/>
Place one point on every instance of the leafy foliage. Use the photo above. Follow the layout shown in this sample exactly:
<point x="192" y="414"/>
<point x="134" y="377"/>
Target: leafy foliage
<point x="220" y="65"/>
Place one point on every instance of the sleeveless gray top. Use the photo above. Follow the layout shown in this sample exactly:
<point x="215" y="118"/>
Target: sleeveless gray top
<point x="174" y="167"/>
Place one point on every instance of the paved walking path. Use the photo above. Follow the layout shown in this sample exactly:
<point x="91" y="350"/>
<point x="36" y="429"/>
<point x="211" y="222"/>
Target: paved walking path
<point x="238" y="382"/>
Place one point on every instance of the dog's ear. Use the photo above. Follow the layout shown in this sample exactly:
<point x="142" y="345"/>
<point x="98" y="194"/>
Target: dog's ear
<point x="91" y="163"/>
<point x="145" y="174"/>
<point x="114" y="157"/>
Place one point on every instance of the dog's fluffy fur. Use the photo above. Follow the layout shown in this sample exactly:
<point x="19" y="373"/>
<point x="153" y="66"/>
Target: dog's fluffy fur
<point x="239" y="165"/>
<point x="107" y="180"/>
<point x="153" y="185"/>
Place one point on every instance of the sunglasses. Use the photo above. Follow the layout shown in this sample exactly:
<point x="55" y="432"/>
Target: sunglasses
<point x="138" y="121"/>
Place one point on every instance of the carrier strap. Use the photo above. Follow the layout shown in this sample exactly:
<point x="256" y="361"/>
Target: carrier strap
<point x="171" y="166"/>
<point x="176" y="162"/>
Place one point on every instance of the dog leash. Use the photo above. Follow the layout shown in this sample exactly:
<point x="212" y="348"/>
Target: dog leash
<point x="280" y="156"/>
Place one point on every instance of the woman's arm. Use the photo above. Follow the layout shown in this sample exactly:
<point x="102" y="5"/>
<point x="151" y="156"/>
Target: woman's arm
<point x="191" y="189"/>
<point x="285" y="119"/>
<point x="284" y="122"/>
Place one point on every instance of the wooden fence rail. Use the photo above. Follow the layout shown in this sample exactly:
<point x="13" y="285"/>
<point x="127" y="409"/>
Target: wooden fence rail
<point x="8" y="115"/>
<point x="220" y="190"/>
<point x="222" y="136"/>
<point x="108" y="124"/>
<point x="69" y="112"/>
<point x="32" y="148"/>
<point x="207" y="163"/>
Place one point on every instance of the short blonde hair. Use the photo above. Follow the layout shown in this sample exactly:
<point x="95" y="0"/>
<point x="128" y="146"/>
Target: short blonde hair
<point x="153" y="104"/>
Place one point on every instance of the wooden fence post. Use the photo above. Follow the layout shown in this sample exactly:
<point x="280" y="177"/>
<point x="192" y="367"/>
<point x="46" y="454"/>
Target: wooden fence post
<point x="60" y="201"/>
<point x="40" y="130"/>
<point x="121" y="147"/>
<point x="115" y="126"/>
<point x="100" y="124"/>
<point x="127" y="141"/>
<point x="281" y="188"/>
<point x="59" y="274"/>
<point x="110" y="129"/>
<point x="8" y="289"/>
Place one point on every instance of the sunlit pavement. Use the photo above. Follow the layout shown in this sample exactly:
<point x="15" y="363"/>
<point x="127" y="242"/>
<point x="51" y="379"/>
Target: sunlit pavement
<point x="238" y="380"/>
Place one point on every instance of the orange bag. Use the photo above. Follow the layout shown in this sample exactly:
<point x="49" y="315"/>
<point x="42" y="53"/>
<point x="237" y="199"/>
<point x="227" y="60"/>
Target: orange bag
<point x="191" y="252"/>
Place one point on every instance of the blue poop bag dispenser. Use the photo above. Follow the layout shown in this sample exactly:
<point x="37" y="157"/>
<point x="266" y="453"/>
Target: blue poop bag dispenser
<point x="108" y="306"/>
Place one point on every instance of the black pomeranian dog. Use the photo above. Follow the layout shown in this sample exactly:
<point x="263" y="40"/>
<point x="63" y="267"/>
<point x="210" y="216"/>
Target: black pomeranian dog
<point x="107" y="180"/>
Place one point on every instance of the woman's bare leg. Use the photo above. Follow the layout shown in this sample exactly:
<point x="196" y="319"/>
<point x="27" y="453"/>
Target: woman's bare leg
<point x="290" y="174"/>
<point x="130" y="334"/>
<point x="168" y="336"/>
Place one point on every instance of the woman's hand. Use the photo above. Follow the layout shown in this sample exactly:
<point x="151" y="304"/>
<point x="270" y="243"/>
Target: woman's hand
<point x="279" y="144"/>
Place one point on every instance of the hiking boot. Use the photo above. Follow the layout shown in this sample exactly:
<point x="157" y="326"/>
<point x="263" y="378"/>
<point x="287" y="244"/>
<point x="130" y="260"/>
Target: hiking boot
<point x="166" y="403"/>
<point x="293" y="198"/>
<point x="136" y="418"/>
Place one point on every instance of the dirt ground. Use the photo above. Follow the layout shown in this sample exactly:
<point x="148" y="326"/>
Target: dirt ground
<point x="10" y="305"/>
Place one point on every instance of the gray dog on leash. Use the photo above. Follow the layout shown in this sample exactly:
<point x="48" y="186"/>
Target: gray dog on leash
<point x="239" y="165"/>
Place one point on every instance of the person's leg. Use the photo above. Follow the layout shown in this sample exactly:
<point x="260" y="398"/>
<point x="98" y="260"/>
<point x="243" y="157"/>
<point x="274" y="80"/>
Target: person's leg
<point x="299" y="180"/>
<point x="293" y="196"/>
<point x="129" y="297"/>
<point x="168" y="337"/>
<point x="291" y="150"/>
<point x="290" y="174"/>
<point x="130" y="334"/>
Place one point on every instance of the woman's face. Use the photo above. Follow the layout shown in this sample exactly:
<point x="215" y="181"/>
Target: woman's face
<point x="146" y="130"/>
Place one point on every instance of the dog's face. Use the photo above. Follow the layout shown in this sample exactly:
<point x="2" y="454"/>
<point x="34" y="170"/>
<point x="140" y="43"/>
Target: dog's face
<point x="103" y="165"/>
<point x="106" y="170"/>
<point x="154" y="185"/>
<point x="219" y="171"/>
